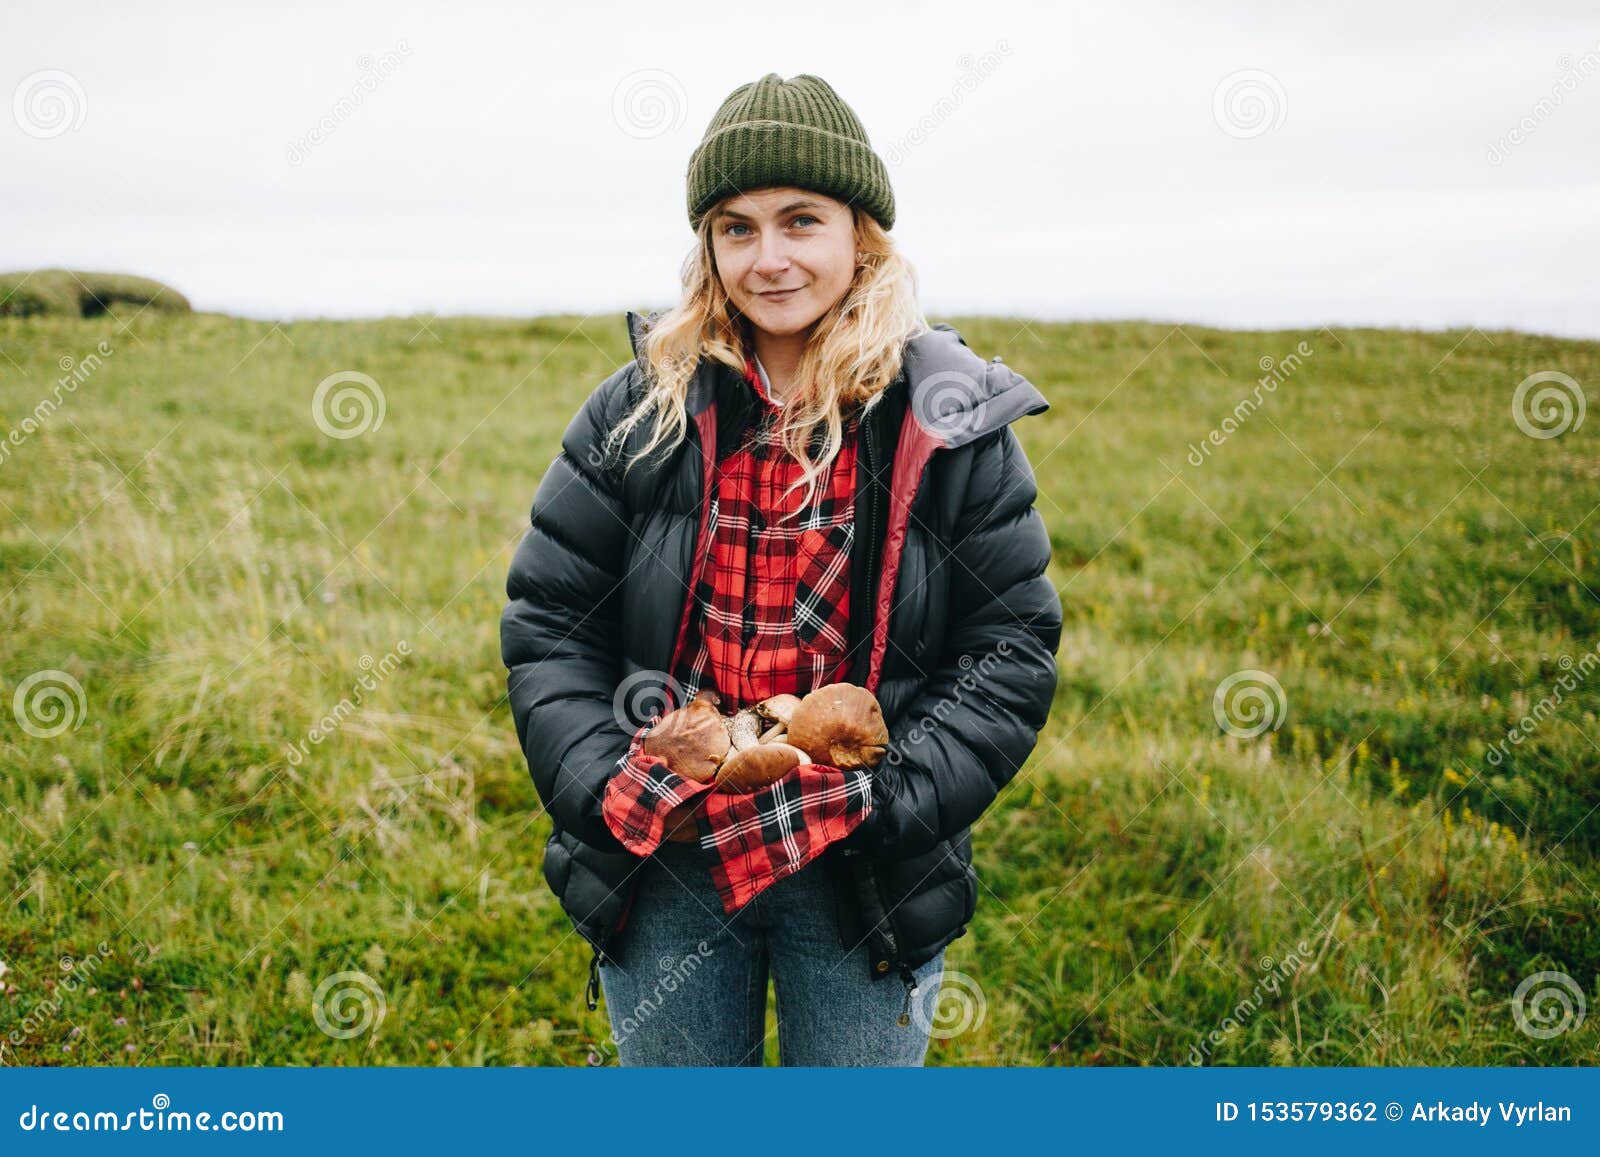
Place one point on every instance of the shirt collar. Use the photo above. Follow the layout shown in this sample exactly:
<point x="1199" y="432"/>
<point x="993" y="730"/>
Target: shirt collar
<point x="756" y="374"/>
<point x="766" y="382"/>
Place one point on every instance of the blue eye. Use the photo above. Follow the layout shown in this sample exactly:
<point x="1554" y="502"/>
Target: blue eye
<point x="805" y="217"/>
<point x="734" y="225"/>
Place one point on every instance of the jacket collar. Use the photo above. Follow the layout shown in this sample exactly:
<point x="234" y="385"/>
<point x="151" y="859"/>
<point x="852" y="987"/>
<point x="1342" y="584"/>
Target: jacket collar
<point x="955" y="396"/>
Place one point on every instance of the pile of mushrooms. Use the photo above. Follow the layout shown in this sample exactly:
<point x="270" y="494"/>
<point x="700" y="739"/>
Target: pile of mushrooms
<point x="839" y="725"/>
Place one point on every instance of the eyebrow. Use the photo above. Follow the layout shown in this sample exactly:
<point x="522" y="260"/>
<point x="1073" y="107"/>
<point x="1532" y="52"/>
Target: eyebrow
<point x="790" y="208"/>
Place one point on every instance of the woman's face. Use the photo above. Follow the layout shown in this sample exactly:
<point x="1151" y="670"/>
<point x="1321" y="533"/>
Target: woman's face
<point x="785" y="256"/>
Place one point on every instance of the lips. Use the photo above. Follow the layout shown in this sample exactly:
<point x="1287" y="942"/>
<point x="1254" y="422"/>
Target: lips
<point x="780" y="294"/>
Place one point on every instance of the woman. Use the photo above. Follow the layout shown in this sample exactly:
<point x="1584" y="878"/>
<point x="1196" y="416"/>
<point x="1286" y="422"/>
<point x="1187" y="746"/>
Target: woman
<point x="796" y="481"/>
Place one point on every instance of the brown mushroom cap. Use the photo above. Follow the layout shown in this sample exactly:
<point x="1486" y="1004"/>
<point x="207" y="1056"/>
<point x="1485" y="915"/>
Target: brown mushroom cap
<point x="778" y="708"/>
<point x="840" y="725"/>
<point x="693" y="739"/>
<point x="753" y="768"/>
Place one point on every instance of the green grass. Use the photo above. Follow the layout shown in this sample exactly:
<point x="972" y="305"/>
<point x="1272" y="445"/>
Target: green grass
<point x="179" y="536"/>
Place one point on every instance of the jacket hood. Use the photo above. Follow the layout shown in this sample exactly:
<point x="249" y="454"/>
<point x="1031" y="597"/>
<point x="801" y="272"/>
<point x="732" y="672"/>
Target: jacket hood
<point x="955" y="396"/>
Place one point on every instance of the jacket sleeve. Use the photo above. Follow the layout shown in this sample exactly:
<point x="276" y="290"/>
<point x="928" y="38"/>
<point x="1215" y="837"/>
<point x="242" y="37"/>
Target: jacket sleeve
<point x="561" y="631"/>
<point x="978" y="717"/>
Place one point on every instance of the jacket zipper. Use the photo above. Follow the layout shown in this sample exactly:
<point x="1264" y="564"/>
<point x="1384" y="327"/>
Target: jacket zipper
<point x="591" y="991"/>
<point x="909" y="979"/>
<point x="597" y="956"/>
<point x="875" y="498"/>
<point x="872" y="536"/>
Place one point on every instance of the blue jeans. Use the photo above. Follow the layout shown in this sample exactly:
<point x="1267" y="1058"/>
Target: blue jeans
<point x="688" y="983"/>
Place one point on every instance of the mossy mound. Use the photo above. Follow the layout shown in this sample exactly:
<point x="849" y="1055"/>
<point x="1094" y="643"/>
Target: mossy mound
<point x="74" y="293"/>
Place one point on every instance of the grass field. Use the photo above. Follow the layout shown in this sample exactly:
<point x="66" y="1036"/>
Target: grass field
<point x="264" y="802"/>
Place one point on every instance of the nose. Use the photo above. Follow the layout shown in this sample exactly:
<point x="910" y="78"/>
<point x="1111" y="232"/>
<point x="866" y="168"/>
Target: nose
<point x="773" y="259"/>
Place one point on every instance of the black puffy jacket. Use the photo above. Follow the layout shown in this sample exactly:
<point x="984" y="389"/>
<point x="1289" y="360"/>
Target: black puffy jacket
<point x="954" y="626"/>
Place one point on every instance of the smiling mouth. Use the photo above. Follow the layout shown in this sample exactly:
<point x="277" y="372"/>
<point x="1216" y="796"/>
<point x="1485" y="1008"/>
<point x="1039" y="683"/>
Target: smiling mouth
<point x="778" y="294"/>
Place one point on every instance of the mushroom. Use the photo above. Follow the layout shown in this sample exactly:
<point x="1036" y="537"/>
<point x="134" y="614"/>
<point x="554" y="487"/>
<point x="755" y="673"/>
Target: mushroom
<point x="840" y="725"/>
<point x="693" y="739"/>
<point x="755" y="767"/>
<point x="744" y="728"/>
<point x="778" y="708"/>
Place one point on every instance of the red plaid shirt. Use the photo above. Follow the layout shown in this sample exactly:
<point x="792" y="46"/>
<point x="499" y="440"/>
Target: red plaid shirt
<point x="770" y="616"/>
<point x="773" y="608"/>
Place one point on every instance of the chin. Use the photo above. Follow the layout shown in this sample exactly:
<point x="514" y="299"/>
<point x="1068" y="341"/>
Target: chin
<point x="780" y="321"/>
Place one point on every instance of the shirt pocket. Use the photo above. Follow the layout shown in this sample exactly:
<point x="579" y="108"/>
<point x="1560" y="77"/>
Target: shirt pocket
<point x="822" y="588"/>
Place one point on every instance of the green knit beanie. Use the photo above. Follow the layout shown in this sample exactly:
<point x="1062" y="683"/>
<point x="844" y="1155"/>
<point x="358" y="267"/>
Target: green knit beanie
<point x="788" y="132"/>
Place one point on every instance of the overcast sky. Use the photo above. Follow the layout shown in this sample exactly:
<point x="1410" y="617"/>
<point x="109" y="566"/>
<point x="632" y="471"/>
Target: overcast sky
<point x="1245" y="165"/>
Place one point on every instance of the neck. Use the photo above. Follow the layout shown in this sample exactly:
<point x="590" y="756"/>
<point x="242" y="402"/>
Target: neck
<point x="780" y="357"/>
